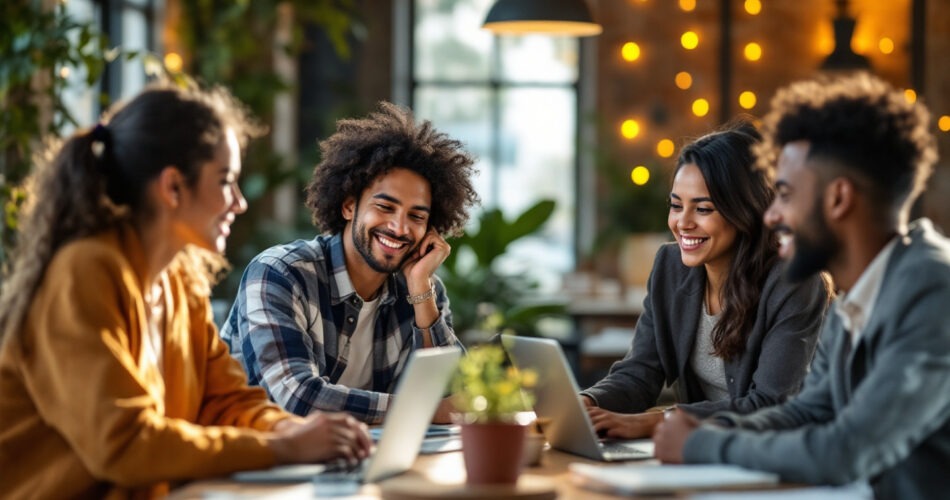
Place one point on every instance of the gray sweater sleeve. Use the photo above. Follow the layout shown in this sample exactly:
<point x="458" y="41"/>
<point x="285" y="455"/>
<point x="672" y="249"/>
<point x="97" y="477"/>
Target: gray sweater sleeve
<point x="902" y="400"/>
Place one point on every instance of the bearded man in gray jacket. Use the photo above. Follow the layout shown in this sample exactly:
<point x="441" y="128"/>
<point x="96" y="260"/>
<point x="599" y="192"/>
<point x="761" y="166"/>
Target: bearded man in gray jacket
<point x="850" y="156"/>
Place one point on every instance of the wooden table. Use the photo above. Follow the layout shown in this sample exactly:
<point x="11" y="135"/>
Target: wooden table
<point x="432" y="476"/>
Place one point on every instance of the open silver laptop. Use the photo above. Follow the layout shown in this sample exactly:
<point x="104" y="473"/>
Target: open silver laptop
<point x="557" y="399"/>
<point x="418" y="393"/>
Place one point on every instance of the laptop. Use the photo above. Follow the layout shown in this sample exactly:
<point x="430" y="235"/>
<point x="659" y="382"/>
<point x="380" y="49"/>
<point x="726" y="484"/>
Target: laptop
<point x="418" y="393"/>
<point x="557" y="399"/>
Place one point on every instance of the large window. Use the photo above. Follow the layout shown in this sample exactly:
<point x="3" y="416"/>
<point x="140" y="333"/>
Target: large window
<point x="129" y="26"/>
<point x="513" y="101"/>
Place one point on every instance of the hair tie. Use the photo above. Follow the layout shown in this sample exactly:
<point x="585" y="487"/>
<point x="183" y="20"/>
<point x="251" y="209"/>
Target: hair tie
<point x="101" y="136"/>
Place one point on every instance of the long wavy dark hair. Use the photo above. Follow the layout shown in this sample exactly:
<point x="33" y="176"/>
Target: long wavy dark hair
<point x="742" y="194"/>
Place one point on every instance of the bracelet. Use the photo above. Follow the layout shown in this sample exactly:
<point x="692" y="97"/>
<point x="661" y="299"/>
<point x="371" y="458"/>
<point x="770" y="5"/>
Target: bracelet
<point x="422" y="297"/>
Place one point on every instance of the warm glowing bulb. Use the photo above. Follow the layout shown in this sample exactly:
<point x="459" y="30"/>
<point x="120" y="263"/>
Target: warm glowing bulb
<point x="684" y="80"/>
<point x="665" y="148"/>
<point x="753" y="7"/>
<point x="688" y="5"/>
<point x="747" y="99"/>
<point x="64" y="72"/>
<point x="886" y="45"/>
<point x="630" y="129"/>
<point x="630" y="51"/>
<point x="910" y="95"/>
<point x="690" y="40"/>
<point x="944" y="123"/>
<point x="173" y="62"/>
<point x="640" y="175"/>
<point x="700" y="107"/>
<point x="753" y="51"/>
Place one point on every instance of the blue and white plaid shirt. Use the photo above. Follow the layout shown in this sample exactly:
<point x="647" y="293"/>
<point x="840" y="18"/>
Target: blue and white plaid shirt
<point x="292" y="319"/>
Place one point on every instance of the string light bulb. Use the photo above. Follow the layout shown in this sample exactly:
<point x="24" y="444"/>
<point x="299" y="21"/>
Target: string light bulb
<point x="629" y="129"/>
<point x="752" y="51"/>
<point x="747" y="99"/>
<point x="683" y="80"/>
<point x="689" y="40"/>
<point x="700" y="107"/>
<point x="640" y="175"/>
<point x="944" y="123"/>
<point x="753" y="7"/>
<point x="630" y="51"/>
<point x="886" y="45"/>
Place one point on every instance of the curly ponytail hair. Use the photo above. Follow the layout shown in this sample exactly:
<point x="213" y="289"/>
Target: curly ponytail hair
<point x="100" y="176"/>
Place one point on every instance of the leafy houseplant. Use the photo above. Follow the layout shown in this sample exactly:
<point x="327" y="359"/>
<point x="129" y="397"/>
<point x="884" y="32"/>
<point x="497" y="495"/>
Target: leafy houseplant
<point x="489" y="394"/>
<point x="473" y="281"/>
<point x="486" y="390"/>
<point x="233" y="43"/>
<point x="41" y="45"/>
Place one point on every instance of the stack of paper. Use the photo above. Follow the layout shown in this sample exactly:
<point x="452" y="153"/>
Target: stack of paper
<point x="629" y="479"/>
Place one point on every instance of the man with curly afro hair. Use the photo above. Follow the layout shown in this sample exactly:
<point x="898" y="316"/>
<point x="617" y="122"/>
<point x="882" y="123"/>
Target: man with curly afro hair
<point x="848" y="156"/>
<point x="328" y="323"/>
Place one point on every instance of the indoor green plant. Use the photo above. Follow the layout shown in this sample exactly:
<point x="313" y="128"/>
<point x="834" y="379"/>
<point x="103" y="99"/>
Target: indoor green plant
<point x="483" y="297"/>
<point x="489" y="395"/>
<point x="41" y="46"/>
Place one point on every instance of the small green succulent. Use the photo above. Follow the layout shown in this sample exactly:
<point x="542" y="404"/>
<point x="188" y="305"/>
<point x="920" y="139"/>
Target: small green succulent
<point x="487" y="389"/>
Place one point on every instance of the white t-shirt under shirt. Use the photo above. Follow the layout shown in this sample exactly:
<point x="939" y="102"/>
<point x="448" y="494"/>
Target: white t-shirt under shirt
<point x="358" y="352"/>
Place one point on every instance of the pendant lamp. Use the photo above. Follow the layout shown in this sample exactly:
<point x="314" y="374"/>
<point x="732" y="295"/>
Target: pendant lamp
<point x="842" y="57"/>
<point x="550" y="17"/>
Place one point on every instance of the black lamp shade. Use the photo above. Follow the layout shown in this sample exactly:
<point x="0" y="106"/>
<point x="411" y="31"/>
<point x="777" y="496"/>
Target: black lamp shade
<point x="842" y="57"/>
<point x="552" y="17"/>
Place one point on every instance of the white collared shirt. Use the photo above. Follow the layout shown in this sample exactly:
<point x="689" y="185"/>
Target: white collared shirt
<point x="855" y="308"/>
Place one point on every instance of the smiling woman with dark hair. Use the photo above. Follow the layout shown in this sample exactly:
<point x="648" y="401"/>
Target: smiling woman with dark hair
<point x="719" y="323"/>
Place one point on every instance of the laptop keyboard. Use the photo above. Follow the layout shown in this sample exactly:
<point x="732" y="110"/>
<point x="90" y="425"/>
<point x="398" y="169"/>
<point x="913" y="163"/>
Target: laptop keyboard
<point x="343" y="469"/>
<point x="617" y="450"/>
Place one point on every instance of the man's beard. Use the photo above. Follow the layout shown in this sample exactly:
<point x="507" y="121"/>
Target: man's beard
<point x="812" y="253"/>
<point x="362" y="240"/>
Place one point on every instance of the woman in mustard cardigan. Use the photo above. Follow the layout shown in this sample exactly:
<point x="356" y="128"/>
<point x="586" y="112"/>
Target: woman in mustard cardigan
<point x="113" y="381"/>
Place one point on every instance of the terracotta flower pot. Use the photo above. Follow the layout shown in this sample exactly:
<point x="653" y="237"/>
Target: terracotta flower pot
<point x="493" y="452"/>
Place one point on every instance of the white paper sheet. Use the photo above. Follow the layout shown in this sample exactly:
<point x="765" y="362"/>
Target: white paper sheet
<point x="645" y="478"/>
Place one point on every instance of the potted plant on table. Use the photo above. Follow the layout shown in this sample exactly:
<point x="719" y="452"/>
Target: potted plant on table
<point x="489" y="395"/>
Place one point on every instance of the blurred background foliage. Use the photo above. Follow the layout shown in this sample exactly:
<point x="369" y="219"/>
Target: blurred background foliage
<point x="40" y="47"/>
<point x="484" y="298"/>
<point x="229" y="43"/>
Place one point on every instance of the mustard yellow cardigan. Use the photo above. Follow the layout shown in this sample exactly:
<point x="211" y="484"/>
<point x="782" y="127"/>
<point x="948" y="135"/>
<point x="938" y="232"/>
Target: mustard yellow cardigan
<point x="84" y="413"/>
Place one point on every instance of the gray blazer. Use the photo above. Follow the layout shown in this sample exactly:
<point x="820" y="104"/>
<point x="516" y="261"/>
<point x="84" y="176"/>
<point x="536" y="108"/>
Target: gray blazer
<point x="879" y="411"/>
<point x="778" y="348"/>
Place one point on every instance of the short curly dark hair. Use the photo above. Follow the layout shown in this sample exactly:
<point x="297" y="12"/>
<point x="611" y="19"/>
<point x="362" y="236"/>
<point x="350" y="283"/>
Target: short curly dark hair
<point x="865" y="128"/>
<point x="362" y="149"/>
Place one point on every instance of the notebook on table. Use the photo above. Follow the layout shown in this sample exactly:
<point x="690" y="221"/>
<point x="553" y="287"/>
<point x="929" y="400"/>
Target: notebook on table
<point x="557" y="400"/>
<point x="417" y="397"/>
<point x="645" y="479"/>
